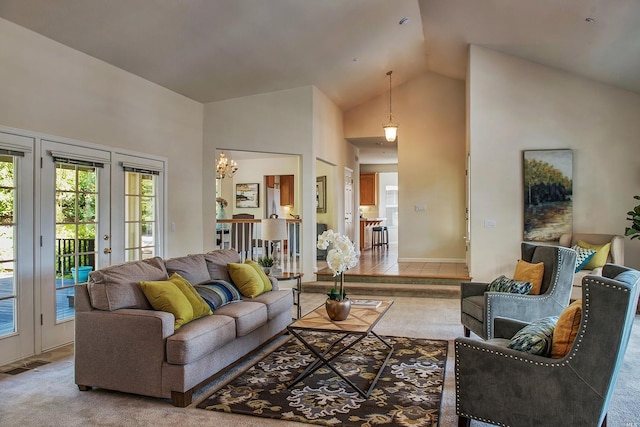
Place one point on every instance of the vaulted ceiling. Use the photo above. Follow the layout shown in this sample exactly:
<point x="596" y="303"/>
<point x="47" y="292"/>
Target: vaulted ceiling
<point x="210" y="50"/>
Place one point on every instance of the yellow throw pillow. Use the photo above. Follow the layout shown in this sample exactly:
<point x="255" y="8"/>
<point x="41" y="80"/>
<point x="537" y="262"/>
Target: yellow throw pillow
<point x="246" y="279"/>
<point x="566" y="330"/>
<point x="165" y="296"/>
<point x="265" y="279"/>
<point x="599" y="259"/>
<point x="527" y="272"/>
<point x="199" y="305"/>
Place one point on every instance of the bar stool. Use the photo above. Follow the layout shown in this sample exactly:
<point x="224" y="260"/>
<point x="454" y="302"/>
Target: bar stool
<point x="380" y="236"/>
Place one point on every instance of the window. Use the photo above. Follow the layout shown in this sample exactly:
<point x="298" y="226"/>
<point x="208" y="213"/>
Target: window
<point x="141" y="224"/>
<point x="8" y="226"/>
<point x="391" y="204"/>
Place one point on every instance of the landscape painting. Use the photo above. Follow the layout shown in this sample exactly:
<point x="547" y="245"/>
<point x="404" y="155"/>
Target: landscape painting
<point x="548" y="192"/>
<point x="247" y="196"/>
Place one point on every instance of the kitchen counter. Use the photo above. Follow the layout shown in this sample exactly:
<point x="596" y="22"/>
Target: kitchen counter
<point x="365" y="230"/>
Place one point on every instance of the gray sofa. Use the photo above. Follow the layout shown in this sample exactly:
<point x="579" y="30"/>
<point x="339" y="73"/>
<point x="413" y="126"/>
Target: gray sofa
<point x="123" y="344"/>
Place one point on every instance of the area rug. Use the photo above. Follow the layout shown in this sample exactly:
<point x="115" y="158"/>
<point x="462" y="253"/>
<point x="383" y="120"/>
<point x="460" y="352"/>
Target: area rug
<point x="408" y="392"/>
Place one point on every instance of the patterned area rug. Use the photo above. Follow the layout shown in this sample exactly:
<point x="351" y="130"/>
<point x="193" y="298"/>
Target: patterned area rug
<point x="408" y="392"/>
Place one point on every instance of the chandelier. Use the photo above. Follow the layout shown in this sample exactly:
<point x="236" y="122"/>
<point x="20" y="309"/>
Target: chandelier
<point x="225" y="167"/>
<point x="391" y="128"/>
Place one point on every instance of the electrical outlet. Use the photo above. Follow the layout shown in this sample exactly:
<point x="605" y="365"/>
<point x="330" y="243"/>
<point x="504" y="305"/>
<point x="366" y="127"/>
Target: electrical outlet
<point x="420" y="208"/>
<point x="489" y="223"/>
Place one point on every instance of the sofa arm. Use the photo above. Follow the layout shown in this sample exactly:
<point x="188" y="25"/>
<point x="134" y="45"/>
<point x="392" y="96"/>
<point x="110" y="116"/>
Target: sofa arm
<point x="274" y="283"/>
<point x="122" y="350"/>
<point x="469" y="289"/>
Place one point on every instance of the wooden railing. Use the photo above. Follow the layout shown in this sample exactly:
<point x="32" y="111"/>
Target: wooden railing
<point x="65" y="247"/>
<point x="245" y="236"/>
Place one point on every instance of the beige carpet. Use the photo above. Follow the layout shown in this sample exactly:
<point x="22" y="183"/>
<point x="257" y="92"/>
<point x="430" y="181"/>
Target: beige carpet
<point x="48" y="396"/>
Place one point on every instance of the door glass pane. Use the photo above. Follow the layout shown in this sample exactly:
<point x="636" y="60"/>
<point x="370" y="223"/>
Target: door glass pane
<point x="8" y="238"/>
<point x="140" y="215"/>
<point x="76" y="227"/>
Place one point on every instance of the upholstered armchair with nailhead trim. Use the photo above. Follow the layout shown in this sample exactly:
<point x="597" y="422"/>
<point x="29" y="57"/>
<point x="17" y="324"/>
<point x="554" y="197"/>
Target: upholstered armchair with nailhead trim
<point x="479" y="308"/>
<point x="506" y="387"/>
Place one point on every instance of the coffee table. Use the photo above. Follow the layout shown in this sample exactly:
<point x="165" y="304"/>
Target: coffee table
<point x="360" y="323"/>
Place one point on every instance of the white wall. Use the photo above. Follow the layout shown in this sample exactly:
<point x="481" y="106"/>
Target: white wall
<point x="294" y="121"/>
<point x="516" y="105"/>
<point x="49" y="88"/>
<point x="430" y="110"/>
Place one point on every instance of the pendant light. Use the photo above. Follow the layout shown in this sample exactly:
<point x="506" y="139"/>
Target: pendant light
<point x="391" y="128"/>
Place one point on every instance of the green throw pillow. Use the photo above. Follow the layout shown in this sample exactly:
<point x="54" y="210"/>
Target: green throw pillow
<point x="536" y="337"/>
<point x="166" y="296"/>
<point x="199" y="305"/>
<point x="599" y="258"/>
<point x="504" y="284"/>
<point x="265" y="279"/>
<point x="246" y="279"/>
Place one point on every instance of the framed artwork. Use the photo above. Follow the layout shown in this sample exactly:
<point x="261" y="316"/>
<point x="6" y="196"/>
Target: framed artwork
<point x="247" y="195"/>
<point x="548" y="193"/>
<point x="321" y="194"/>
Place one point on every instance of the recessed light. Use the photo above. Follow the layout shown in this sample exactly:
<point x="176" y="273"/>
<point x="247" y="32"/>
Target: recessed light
<point x="590" y="20"/>
<point x="403" y="21"/>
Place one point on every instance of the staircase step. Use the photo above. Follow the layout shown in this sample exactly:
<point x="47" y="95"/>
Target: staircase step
<point x="399" y="279"/>
<point x="432" y="290"/>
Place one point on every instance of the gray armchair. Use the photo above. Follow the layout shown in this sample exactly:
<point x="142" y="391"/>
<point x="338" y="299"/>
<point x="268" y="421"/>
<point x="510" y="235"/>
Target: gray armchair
<point x="479" y="308"/>
<point x="501" y="386"/>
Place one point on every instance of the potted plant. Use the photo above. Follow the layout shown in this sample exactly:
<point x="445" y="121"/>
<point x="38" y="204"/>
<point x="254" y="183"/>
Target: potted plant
<point x="634" y="217"/>
<point x="341" y="257"/>
<point x="266" y="262"/>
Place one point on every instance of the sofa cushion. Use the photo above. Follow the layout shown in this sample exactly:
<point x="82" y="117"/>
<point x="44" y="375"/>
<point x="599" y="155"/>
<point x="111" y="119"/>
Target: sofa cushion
<point x="600" y="257"/>
<point x="474" y="307"/>
<point x="528" y="272"/>
<point x="191" y="267"/>
<point x="217" y="263"/>
<point x="199" y="338"/>
<point x="505" y="284"/>
<point x="276" y="301"/>
<point x="260" y="271"/>
<point x="248" y="315"/>
<point x="246" y="279"/>
<point x="118" y="286"/>
<point x="218" y="293"/>
<point x="536" y="337"/>
<point x="166" y="296"/>
<point x="566" y="329"/>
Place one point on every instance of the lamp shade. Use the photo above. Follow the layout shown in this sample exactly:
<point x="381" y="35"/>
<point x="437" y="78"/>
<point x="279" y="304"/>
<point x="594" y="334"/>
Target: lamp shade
<point x="274" y="229"/>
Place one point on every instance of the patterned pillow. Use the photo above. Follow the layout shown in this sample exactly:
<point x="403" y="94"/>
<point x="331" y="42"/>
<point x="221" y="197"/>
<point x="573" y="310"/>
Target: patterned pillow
<point x="583" y="256"/>
<point x="504" y="284"/>
<point x="218" y="293"/>
<point x="536" y="337"/>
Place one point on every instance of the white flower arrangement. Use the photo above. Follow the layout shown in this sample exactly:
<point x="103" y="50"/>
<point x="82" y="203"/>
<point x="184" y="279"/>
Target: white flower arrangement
<point x="341" y="257"/>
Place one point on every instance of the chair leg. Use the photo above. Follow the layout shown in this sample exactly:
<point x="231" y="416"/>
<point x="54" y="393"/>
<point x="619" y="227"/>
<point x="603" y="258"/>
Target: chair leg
<point x="467" y="332"/>
<point x="463" y="422"/>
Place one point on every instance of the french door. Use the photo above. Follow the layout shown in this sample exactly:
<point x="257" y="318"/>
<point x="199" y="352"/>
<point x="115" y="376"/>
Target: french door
<point x="16" y="247"/>
<point x="75" y="231"/>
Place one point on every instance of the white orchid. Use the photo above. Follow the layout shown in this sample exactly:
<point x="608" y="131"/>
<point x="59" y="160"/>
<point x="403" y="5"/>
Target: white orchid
<point x="341" y="257"/>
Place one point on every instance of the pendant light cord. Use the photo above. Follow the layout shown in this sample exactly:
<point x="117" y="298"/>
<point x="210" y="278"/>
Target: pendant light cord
<point x="390" y="111"/>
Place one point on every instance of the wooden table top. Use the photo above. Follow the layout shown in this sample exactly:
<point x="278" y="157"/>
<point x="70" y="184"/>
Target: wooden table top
<point x="361" y="319"/>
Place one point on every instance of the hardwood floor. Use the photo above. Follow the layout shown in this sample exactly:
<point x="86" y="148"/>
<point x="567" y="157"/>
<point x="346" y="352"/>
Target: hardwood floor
<point x="383" y="263"/>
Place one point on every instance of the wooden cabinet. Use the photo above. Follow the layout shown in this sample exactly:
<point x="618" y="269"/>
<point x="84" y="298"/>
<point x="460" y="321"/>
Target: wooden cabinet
<point x="368" y="189"/>
<point x="270" y="181"/>
<point x="286" y="190"/>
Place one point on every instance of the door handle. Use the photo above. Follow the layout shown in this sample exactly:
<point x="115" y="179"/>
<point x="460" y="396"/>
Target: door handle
<point x="107" y="250"/>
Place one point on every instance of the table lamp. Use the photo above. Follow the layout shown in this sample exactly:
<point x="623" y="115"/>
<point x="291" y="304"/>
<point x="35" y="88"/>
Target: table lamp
<point x="275" y="230"/>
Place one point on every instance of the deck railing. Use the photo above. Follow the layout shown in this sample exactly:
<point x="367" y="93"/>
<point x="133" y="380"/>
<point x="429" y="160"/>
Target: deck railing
<point x="245" y="236"/>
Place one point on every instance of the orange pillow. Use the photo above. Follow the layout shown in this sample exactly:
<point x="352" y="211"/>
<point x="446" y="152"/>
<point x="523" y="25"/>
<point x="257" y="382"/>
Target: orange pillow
<point x="527" y="272"/>
<point x="566" y="330"/>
